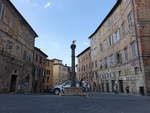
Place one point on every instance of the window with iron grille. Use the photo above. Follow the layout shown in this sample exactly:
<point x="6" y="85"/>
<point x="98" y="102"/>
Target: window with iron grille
<point x="1" y="10"/>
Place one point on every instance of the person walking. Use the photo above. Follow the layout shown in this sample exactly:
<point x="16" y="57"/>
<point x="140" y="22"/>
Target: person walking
<point x="83" y="85"/>
<point x="127" y="89"/>
<point x="88" y="90"/>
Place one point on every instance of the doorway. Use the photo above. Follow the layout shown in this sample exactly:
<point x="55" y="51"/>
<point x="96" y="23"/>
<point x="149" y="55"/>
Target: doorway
<point x="102" y="87"/>
<point x="113" y="85"/>
<point x="121" y="86"/>
<point x="13" y="83"/>
<point x="107" y="86"/>
<point x="141" y="89"/>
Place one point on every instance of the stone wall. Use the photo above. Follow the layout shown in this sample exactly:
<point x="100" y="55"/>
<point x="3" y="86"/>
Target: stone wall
<point x="16" y="50"/>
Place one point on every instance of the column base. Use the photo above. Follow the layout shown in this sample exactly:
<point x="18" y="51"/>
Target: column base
<point x="73" y="91"/>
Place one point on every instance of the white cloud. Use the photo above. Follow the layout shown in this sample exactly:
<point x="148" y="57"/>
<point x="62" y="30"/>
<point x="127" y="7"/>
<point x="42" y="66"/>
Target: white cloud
<point x="47" y="5"/>
<point x="86" y="43"/>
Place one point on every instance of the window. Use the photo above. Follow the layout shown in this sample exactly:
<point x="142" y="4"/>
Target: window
<point x="29" y="58"/>
<point x="110" y="40"/>
<point x="119" y="73"/>
<point x="111" y="60"/>
<point x="127" y="2"/>
<point x="84" y="67"/>
<point x="36" y="58"/>
<point x="101" y="47"/>
<point x="17" y="48"/>
<point x="89" y="66"/>
<point x="1" y="10"/>
<point x="130" y="20"/>
<point x="101" y="67"/>
<point x="40" y="60"/>
<point x="95" y="63"/>
<point x="79" y="60"/>
<point x="48" y="64"/>
<point x="133" y="49"/>
<point x="116" y="36"/>
<point x="48" y="72"/>
<point x="79" y="69"/>
<point x="123" y="29"/>
<point x="126" y="54"/>
<point x="92" y="64"/>
<point x="9" y="45"/>
<point x="47" y="79"/>
<point x="136" y="69"/>
<point x="119" y="58"/>
<point x="105" y="45"/>
<point x="24" y="55"/>
<point x="105" y="62"/>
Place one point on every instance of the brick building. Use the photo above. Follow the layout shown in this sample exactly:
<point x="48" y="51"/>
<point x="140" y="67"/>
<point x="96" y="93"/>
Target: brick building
<point x="120" y="49"/>
<point x="16" y="50"/>
<point x="39" y="70"/>
<point x="84" y="67"/>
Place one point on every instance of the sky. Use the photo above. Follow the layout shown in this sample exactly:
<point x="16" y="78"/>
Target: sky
<point x="59" y="22"/>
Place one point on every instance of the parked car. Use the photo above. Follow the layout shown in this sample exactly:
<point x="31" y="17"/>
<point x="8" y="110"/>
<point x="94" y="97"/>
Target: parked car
<point x="57" y="89"/>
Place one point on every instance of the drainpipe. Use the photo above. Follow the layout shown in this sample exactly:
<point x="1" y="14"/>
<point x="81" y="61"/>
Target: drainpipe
<point x="136" y="34"/>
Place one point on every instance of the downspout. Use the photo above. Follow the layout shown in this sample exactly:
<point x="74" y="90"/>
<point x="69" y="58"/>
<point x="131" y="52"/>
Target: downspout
<point x="136" y="35"/>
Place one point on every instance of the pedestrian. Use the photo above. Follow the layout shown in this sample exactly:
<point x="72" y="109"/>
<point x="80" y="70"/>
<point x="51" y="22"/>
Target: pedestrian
<point x="81" y="82"/>
<point x="115" y="89"/>
<point x="83" y="85"/>
<point x="88" y="90"/>
<point x="127" y="89"/>
<point x="88" y="87"/>
<point x="94" y="86"/>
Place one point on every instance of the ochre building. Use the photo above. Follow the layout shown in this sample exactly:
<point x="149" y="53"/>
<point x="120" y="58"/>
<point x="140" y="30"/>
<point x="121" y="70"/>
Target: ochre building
<point x="57" y="72"/>
<point x="120" y="49"/>
<point x="49" y="73"/>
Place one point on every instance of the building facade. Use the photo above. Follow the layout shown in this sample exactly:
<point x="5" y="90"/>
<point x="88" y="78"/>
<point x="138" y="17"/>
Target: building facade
<point x="120" y="49"/>
<point x="84" y="67"/>
<point x="16" y="50"/>
<point x="61" y="72"/>
<point x="49" y="73"/>
<point x="39" y="71"/>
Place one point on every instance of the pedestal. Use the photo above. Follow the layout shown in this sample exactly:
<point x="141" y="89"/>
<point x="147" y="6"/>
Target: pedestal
<point x="73" y="91"/>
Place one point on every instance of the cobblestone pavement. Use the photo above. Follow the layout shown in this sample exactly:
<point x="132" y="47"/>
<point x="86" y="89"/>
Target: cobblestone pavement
<point x="99" y="103"/>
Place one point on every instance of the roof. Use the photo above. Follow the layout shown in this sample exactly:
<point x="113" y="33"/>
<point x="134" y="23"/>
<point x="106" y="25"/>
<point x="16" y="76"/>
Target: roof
<point x="35" y="34"/>
<point x="40" y="51"/>
<point x="109" y="14"/>
<point x="50" y="60"/>
<point x="84" y="51"/>
<point x="56" y="59"/>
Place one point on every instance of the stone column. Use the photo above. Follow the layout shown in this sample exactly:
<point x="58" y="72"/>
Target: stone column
<point x="73" y="73"/>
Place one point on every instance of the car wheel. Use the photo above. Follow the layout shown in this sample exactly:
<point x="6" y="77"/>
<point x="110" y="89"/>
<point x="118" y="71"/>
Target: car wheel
<point x="56" y="91"/>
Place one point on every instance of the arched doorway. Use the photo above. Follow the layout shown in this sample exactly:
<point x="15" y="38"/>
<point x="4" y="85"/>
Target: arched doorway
<point x="27" y="80"/>
<point x="13" y="83"/>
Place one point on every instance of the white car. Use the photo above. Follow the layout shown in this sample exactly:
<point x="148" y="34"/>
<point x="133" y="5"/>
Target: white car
<point x="60" y="88"/>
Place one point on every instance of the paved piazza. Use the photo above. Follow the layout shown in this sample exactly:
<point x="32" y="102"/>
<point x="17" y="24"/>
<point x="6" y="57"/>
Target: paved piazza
<point x="97" y="103"/>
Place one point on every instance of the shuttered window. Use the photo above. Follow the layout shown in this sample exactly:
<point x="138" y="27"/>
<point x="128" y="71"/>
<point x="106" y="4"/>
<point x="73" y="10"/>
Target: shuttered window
<point x="1" y="10"/>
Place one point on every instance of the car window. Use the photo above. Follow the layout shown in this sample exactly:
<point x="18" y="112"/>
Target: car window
<point x="67" y="83"/>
